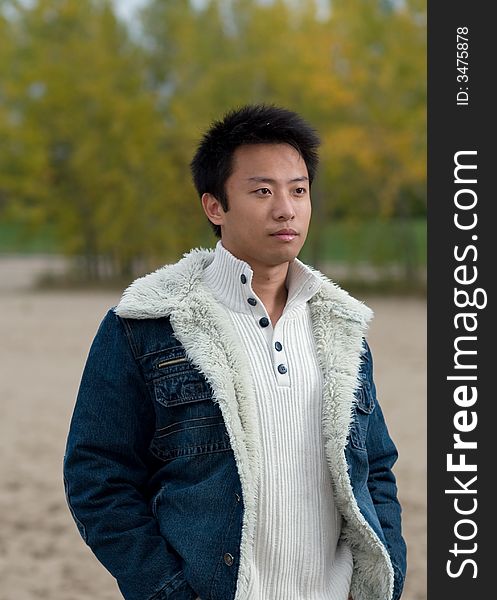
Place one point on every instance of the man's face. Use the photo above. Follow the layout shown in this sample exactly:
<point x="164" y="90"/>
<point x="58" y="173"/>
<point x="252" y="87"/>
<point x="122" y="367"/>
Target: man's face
<point x="269" y="205"/>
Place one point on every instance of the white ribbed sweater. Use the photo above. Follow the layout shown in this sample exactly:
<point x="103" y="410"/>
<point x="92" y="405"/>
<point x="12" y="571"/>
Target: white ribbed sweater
<point x="297" y="554"/>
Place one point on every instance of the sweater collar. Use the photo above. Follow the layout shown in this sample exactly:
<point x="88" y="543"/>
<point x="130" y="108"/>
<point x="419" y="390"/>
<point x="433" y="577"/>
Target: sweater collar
<point x="230" y="282"/>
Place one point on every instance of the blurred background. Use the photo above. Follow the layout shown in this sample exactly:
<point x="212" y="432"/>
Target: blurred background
<point x="101" y="106"/>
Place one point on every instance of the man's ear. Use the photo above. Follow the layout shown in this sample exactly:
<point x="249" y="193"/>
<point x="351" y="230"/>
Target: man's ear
<point x="213" y="209"/>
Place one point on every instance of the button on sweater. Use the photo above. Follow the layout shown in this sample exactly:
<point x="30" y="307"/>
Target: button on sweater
<point x="297" y="551"/>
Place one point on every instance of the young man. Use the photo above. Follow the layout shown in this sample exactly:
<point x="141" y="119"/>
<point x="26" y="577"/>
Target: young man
<point x="227" y="442"/>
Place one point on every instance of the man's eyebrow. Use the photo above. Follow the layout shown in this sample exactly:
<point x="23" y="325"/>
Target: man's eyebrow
<point x="273" y="181"/>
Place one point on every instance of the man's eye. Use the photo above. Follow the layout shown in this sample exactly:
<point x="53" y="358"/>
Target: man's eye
<point x="264" y="191"/>
<point x="300" y="191"/>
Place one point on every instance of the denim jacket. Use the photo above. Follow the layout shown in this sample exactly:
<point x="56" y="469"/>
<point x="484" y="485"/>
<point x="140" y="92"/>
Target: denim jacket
<point x="162" y="460"/>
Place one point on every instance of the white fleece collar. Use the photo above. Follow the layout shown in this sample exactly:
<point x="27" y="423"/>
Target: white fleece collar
<point x="159" y="294"/>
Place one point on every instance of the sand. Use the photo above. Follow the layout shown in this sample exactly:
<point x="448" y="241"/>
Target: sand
<point x="45" y="338"/>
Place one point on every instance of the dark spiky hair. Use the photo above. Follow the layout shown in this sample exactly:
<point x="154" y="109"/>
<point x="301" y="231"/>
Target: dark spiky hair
<point x="251" y="124"/>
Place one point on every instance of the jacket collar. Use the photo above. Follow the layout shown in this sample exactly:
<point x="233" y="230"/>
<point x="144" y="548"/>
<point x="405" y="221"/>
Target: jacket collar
<point x="159" y="294"/>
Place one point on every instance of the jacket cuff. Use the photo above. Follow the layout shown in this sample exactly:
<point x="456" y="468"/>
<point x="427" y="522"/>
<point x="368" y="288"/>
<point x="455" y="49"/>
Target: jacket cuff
<point x="398" y="582"/>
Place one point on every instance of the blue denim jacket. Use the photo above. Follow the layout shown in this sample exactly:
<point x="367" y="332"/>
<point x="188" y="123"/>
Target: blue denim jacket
<point x="158" y="481"/>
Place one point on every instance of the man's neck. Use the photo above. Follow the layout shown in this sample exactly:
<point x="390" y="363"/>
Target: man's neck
<point x="269" y="285"/>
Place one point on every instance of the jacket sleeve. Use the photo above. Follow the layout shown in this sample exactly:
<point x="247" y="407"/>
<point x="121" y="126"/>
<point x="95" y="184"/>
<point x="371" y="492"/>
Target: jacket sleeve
<point x="382" y="455"/>
<point x="105" y="471"/>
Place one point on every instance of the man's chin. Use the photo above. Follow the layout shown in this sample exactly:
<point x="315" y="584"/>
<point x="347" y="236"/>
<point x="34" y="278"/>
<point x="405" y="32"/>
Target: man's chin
<point x="285" y="255"/>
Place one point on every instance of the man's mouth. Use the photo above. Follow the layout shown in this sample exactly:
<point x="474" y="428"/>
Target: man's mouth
<point x="285" y="235"/>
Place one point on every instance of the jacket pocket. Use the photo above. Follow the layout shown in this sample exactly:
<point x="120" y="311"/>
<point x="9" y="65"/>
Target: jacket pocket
<point x="188" y="421"/>
<point x="176" y="380"/>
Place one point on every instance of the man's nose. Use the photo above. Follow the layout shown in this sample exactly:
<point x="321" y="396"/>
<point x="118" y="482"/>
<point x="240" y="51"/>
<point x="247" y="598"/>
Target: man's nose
<point x="284" y="209"/>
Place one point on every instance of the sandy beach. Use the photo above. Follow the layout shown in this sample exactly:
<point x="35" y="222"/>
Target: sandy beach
<point x="45" y="337"/>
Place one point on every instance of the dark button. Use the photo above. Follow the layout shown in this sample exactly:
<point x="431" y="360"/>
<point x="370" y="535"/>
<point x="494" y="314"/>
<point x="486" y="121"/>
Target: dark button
<point x="243" y="279"/>
<point x="252" y="301"/>
<point x="264" y="322"/>
<point x="282" y="369"/>
<point x="278" y="346"/>
<point x="228" y="559"/>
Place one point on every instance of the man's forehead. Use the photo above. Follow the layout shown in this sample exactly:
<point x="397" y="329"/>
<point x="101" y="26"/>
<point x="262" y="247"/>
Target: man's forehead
<point x="258" y="160"/>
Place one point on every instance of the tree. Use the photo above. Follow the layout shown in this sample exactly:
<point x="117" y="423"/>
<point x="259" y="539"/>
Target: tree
<point x="22" y="161"/>
<point x="105" y="184"/>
